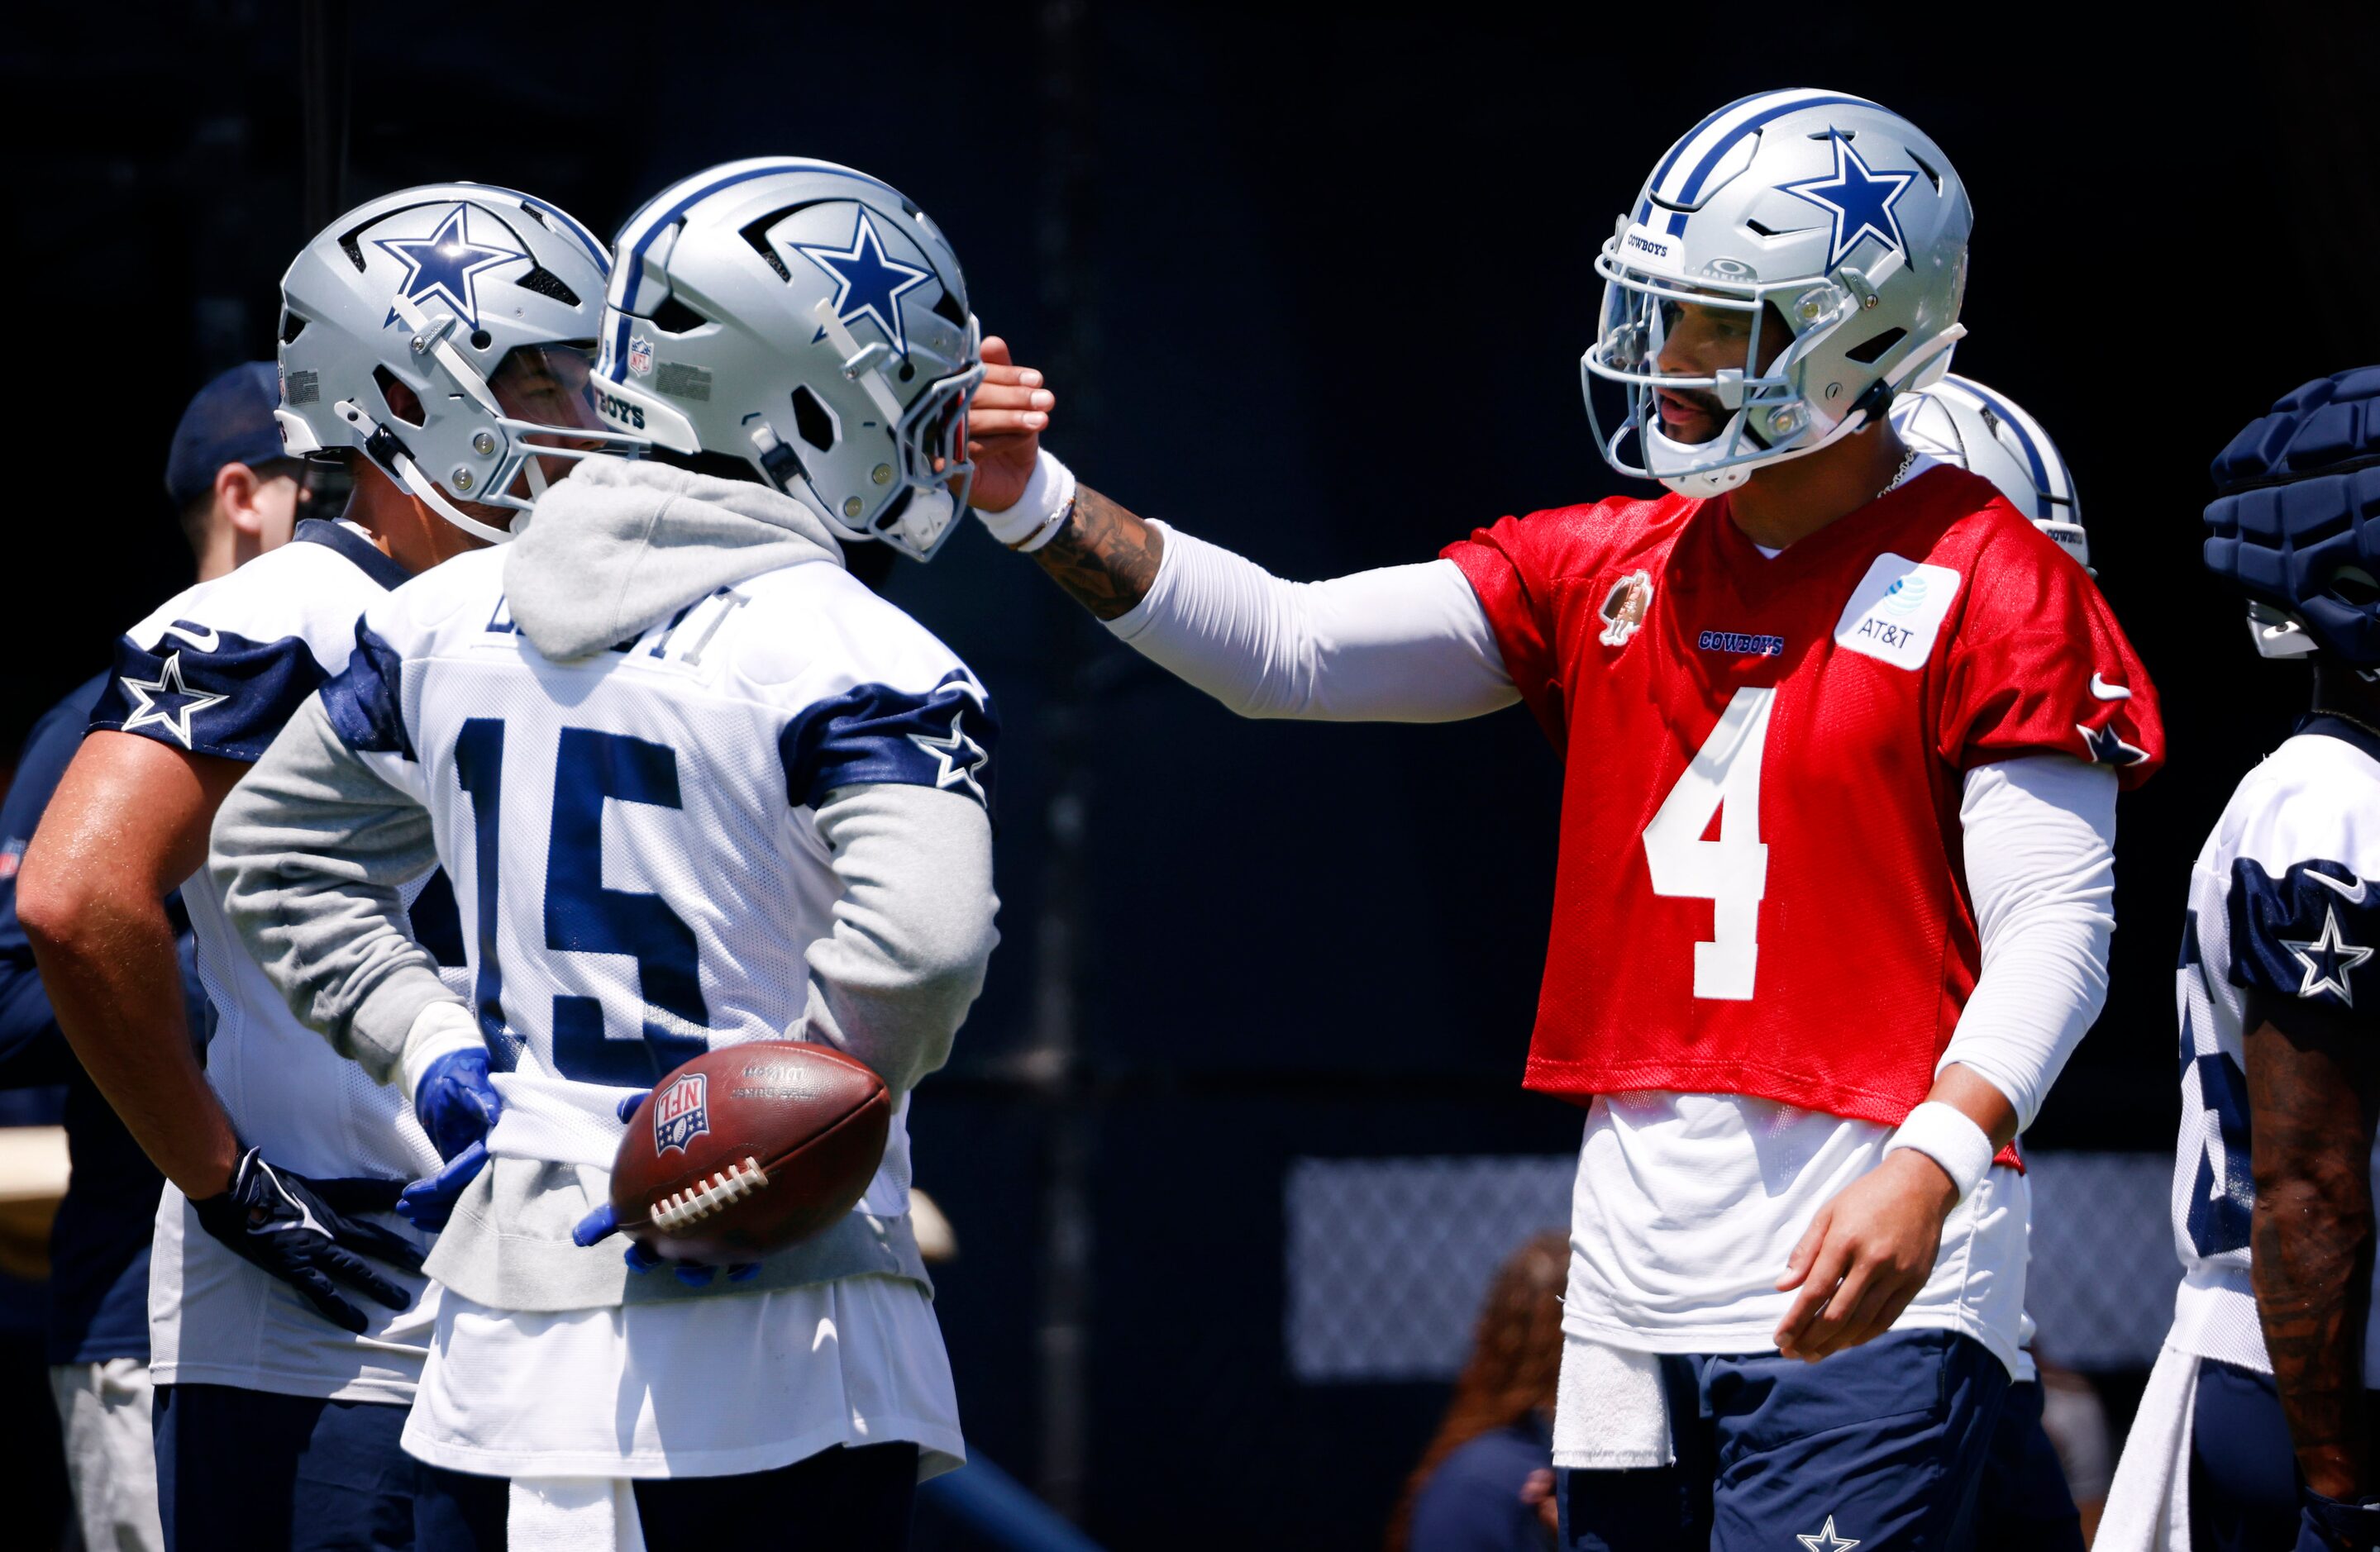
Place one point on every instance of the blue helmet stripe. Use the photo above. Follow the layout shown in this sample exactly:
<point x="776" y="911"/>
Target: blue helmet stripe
<point x="2021" y="423"/>
<point x="593" y="244"/>
<point x="1693" y="188"/>
<point x="651" y="220"/>
<point x="1688" y="137"/>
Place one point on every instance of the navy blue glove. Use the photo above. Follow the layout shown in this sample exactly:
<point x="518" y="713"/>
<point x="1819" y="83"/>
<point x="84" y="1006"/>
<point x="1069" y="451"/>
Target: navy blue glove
<point x="604" y="1223"/>
<point x="456" y="1105"/>
<point x="2335" y="1524"/>
<point x="298" y="1229"/>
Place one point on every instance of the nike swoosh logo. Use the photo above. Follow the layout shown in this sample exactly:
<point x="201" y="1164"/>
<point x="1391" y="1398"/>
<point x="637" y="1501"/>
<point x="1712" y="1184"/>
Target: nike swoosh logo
<point x="2105" y="691"/>
<point x="205" y="641"/>
<point x="2352" y="896"/>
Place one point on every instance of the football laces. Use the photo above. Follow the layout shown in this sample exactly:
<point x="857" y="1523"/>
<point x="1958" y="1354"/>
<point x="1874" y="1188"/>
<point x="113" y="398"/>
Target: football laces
<point x="683" y="1209"/>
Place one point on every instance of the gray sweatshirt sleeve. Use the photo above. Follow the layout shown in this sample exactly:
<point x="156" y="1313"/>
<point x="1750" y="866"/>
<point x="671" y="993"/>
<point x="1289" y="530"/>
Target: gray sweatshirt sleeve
<point x="912" y="928"/>
<point x="310" y="851"/>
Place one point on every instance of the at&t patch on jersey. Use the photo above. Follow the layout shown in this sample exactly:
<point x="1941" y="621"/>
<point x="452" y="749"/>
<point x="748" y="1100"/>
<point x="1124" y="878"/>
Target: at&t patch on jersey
<point x="1897" y="611"/>
<point x="681" y="1113"/>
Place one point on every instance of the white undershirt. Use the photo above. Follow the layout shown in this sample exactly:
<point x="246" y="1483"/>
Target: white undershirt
<point x="1687" y="1205"/>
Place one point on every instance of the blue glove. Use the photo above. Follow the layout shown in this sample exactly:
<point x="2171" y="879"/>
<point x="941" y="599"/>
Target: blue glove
<point x="604" y="1223"/>
<point x="298" y="1229"/>
<point x="2335" y="1524"/>
<point x="456" y="1105"/>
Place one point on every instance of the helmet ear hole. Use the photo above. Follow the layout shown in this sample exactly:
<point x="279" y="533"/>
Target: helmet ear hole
<point x="674" y="317"/>
<point x="403" y="403"/>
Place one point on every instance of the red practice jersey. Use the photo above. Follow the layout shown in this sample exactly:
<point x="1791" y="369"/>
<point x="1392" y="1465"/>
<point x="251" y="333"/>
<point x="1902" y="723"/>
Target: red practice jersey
<point x="1761" y="888"/>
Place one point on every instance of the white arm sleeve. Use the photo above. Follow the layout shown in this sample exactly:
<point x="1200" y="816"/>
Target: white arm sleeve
<point x="2040" y="836"/>
<point x="1403" y="643"/>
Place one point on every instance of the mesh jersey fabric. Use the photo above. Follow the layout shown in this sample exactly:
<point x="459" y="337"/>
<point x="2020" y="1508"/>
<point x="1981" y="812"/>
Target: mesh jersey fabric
<point x="1836" y="693"/>
<point x="2280" y="905"/>
<point x="215" y="671"/>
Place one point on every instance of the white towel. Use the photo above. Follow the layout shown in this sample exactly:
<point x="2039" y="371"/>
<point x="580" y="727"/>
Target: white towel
<point x="573" y="1514"/>
<point x="2148" y="1503"/>
<point x="1611" y="1412"/>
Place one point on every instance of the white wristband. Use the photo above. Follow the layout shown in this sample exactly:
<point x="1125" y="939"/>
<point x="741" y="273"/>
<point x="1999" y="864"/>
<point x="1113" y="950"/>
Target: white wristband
<point x="1040" y="512"/>
<point x="439" y="1028"/>
<point x="1949" y="1136"/>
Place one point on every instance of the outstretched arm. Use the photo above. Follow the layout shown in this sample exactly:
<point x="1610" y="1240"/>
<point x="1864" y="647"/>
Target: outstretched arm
<point x="1407" y="644"/>
<point x="2311" y="1088"/>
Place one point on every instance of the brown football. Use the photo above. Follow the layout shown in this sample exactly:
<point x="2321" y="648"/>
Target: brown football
<point x="748" y="1149"/>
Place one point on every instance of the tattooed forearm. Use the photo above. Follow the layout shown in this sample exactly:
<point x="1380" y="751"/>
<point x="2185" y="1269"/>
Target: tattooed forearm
<point x="1104" y="556"/>
<point x="2312" y="1243"/>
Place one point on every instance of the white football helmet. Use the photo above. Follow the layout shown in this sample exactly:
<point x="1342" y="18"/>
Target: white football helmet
<point x="436" y="287"/>
<point x="808" y="320"/>
<point x="1818" y="213"/>
<point x="1961" y="421"/>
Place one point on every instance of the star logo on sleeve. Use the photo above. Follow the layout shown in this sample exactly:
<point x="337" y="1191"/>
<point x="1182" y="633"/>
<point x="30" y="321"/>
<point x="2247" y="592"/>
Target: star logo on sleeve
<point x="867" y="283"/>
<point x="1858" y="197"/>
<point x="960" y="756"/>
<point x="445" y="265"/>
<point x="1826" y="1540"/>
<point x="2106" y="747"/>
<point x="166" y="702"/>
<point x="2329" y="960"/>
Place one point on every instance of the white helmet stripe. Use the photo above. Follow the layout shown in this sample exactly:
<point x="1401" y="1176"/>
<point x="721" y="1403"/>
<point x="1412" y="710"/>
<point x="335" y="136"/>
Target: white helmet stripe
<point x="1680" y="179"/>
<point x="661" y="210"/>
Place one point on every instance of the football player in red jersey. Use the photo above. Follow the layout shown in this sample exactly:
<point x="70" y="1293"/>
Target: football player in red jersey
<point x="1827" y="691"/>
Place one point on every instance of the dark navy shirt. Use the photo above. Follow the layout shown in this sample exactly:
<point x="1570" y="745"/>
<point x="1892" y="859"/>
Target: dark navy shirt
<point x="1472" y="1503"/>
<point x="99" y="1245"/>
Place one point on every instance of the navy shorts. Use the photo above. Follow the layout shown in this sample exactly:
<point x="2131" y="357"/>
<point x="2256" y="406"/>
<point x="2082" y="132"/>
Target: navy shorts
<point x="2024" y="1504"/>
<point x="2243" y="1473"/>
<point x="1882" y="1445"/>
<point x="838" y="1500"/>
<point x="250" y="1471"/>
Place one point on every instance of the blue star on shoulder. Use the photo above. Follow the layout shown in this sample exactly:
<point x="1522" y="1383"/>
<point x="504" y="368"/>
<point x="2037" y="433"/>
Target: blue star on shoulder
<point x="166" y="702"/>
<point x="867" y="283"/>
<point x="1858" y="197"/>
<point x="2106" y="747"/>
<point x="958" y="755"/>
<point x="446" y="264"/>
<point x="2327" y="960"/>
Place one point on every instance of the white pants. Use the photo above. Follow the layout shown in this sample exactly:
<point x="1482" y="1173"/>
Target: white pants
<point x="110" y="1458"/>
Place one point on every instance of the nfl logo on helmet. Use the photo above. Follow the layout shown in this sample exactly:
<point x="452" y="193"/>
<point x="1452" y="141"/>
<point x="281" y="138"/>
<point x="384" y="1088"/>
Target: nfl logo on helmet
<point x="640" y="355"/>
<point x="680" y="1115"/>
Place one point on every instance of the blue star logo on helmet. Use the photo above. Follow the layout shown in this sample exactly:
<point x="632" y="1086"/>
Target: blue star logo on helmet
<point x="1859" y="197"/>
<point x="445" y="265"/>
<point x="867" y="283"/>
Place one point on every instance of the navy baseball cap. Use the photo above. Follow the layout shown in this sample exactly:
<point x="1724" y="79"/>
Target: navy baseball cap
<point x="229" y="421"/>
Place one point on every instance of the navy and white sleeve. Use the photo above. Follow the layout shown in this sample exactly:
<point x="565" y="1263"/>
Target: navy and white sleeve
<point x="2309" y="931"/>
<point x="941" y="738"/>
<point x="207" y="691"/>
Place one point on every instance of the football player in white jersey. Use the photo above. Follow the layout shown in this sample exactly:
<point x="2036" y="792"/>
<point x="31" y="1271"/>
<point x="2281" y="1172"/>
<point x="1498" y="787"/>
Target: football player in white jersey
<point x="428" y="340"/>
<point x="2256" y="1429"/>
<point x="695" y="785"/>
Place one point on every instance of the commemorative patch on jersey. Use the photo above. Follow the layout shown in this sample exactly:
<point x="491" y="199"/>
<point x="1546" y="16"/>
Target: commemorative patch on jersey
<point x="681" y="1112"/>
<point x="1624" y="608"/>
<point x="1897" y="611"/>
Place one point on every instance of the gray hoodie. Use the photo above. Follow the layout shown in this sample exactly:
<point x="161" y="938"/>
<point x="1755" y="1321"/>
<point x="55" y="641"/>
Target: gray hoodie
<point x="311" y="847"/>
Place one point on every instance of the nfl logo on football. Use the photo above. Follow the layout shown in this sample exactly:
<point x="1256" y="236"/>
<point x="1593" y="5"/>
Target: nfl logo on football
<point x="640" y="355"/>
<point x="680" y="1114"/>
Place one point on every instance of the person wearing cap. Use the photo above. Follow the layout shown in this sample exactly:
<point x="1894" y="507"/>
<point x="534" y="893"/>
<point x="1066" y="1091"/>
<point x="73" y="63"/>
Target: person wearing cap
<point x="236" y="495"/>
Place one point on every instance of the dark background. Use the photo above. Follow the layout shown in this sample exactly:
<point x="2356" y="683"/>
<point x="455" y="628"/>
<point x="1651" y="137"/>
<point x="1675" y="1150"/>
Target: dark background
<point x="1312" y="283"/>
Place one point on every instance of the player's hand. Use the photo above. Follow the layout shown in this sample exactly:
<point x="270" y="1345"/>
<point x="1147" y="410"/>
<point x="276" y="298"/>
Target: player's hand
<point x="457" y="1105"/>
<point x="1865" y="1255"/>
<point x="604" y="1223"/>
<point x="299" y="1230"/>
<point x="1004" y="424"/>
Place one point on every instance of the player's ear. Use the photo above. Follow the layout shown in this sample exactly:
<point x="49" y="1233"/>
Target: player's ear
<point x="236" y="488"/>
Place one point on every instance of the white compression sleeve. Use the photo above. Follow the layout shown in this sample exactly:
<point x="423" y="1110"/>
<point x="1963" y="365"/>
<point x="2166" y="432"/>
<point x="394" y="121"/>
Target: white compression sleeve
<point x="2040" y="839"/>
<point x="1403" y="644"/>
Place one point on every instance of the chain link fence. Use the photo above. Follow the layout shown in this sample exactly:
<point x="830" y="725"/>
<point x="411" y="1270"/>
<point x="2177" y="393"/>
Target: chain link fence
<point x="1419" y="1238"/>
